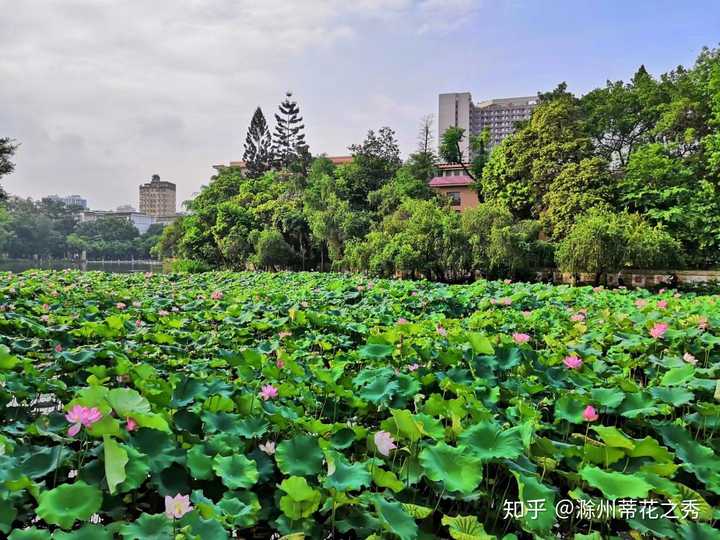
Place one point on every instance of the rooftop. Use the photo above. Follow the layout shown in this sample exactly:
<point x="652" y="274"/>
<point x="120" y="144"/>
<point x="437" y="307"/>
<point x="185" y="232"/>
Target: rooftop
<point x="451" y="181"/>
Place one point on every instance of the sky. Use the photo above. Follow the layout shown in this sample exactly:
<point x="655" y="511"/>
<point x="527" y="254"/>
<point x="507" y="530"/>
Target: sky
<point x="102" y="94"/>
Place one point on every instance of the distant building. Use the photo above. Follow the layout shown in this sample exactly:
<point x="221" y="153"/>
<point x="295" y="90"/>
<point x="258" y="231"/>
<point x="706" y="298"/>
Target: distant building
<point x="71" y="200"/>
<point x="141" y="221"/>
<point x="240" y="165"/>
<point x="340" y="160"/>
<point x="453" y="182"/>
<point x="157" y="197"/>
<point x="498" y="115"/>
<point x="125" y="208"/>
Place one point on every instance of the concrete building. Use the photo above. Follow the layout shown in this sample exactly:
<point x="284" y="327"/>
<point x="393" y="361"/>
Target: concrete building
<point x="498" y="115"/>
<point x="157" y="197"/>
<point x="70" y="200"/>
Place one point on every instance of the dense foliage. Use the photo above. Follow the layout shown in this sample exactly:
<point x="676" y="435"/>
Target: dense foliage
<point x="48" y="228"/>
<point x="246" y="404"/>
<point x="643" y="155"/>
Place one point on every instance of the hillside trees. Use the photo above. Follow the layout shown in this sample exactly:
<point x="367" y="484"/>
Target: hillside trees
<point x="258" y="156"/>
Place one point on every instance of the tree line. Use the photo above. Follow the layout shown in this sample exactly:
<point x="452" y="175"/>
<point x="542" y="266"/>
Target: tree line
<point x="625" y="175"/>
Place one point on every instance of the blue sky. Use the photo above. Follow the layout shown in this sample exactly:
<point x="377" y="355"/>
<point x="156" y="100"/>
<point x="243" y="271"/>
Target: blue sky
<point x="103" y="94"/>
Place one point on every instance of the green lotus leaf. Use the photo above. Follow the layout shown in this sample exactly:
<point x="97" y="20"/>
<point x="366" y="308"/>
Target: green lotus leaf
<point x="480" y="344"/>
<point x="31" y="533"/>
<point x="252" y="428"/>
<point x="638" y="404"/>
<point x="115" y="458"/>
<point x="241" y="508"/>
<point x="88" y="532"/>
<point x="236" y="471"/>
<point x="539" y="504"/>
<point x="379" y="391"/>
<point x="205" y="529"/>
<point x="300" y="456"/>
<point x="699" y="459"/>
<point x="137" y="470"/>
<point x="487" y="441"/>
<point x="127" y="402"/>
<point x="395" y="519"/>
<point x="455" y="468"/>
<point x="698" y="531"/>
<point x="649" y="447"/>
<point x="676" y="396"/>
<point x="678" y="375"/>
<point x="346" y="477"/>
<point x="200" y="462"/>
<point x="43" y="461"/>
<point x="148" y="527"/>
<point x="570" y="408"/>
<point x="343" y="438"/>
<point x="613" y="437"/>
<point x="68" y="503"/>
<point x="615" y="485"/>
<point x="187" y="390"/>
<point x="416" y="511"/>
<point x="7" y="360"/>
<point x="608" y="398"/>
<point x="375" y="351"/>
<point x="8" y="512"/>
<point x="386" y="479"/>
<point x="466" y="528"/>
<point x="301" y="500"/>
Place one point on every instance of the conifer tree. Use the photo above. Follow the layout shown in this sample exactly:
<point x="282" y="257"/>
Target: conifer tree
<point x="289" y="144"/>
<point x="258" y="146"/>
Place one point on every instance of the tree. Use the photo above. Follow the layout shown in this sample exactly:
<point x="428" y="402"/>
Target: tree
<point x="289" y="138"/>
<point x="375" y="162"/>
<point x="258" y="156"/>
<point x="272" y="251"/>
<point x="603" y="241"/>
<point x="7" y="150"/>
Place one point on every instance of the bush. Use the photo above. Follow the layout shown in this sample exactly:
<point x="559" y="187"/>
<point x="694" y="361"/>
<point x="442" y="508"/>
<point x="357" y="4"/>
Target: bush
<point x="603" y="241"/>
<point x="189" y="266"/>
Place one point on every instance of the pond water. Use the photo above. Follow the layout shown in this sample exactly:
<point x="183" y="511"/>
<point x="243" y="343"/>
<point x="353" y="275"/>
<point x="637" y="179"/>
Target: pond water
<point x="121" y="267"/>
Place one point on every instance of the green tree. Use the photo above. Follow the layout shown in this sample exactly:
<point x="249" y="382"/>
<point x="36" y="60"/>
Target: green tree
<point x="7" y="150"/>
<point x="272" y="251"/>
<point x="258" y="156"/>
<point x="289" y="138"/>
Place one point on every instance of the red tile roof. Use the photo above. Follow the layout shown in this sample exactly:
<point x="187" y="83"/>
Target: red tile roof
<point x="451" y="181"/>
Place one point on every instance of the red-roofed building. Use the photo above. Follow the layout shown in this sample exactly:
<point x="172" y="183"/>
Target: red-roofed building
<point x="452" y="181"/>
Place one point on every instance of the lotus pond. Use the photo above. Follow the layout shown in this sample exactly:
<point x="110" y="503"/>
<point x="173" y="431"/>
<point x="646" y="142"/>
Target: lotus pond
<point x="253" y="405"/>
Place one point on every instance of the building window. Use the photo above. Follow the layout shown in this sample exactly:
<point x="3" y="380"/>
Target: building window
<point x="454" y="197"/>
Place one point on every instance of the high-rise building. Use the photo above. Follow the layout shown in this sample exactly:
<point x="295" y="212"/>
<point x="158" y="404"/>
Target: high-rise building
<point x="71" y="200"/>
<point x="498" y="115"/>
<point x="157" y="197"/>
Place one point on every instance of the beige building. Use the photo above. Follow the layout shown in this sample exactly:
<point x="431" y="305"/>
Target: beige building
<point x="157" y="197"/>
<point x="453" y="182"/>
<point x="497" y="115"/>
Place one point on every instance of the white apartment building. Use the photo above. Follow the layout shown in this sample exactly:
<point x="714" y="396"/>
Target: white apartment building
<point x="498" y="115"/>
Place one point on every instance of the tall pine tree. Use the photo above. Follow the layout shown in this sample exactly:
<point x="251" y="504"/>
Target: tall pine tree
<point x="289" y="145"/>
<point x="258" y="156"/>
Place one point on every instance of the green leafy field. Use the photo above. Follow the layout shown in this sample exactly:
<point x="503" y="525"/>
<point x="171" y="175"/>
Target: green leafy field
<point x="336" y="407"/>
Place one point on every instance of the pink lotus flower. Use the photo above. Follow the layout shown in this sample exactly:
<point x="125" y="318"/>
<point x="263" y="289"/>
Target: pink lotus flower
<point x="279" y="363"/>
<point x="45" y="318"/>
<point x="703" y="324"/>
<point x="304" y="304"/>
<point x="268" y="392"/>
<point x="573" y="362"/>
<point x="658" y="330"/>
<point x="148" y="274"/>
<point x="384" y="442"/>
<point x="216" y="295"/>
<point x="689" y="358"/>
<point x="58" y="348"/>
<point x="268" y="447"/>
<point x="661" y="291"/>
<point x="174" y="309"/>
<point x="506" y="301"/>
<point x="597" y="289"/>
<point x="507" y="281"/>
<point x="526" y="313"/>
<point x="80" y="416"/>
<point x="54" y="294"/>
<point x="120" y="305"/>
<point x="577" y="317"/>
<point x="640" y="303"/>
<point x="46" y="307"/>
<point x="402" y="320"/>
<point x="360" y="288"/>
<point x="177" y="506"/>
<point x="138" y="323"/>
<point x="590" y="414"/>
<point x="163" y="313"/>
<point x="284" y="334"/>
<point x="440" y="329"/>
<point x="131" y="424"/>
<point x="370" y="285"/>
<point x="136" y="304"/>
<point x="413" y="367"/>
<point x="520" y="338"/>
<point x="662" y="304"/>
<point x="413" y="293"/>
